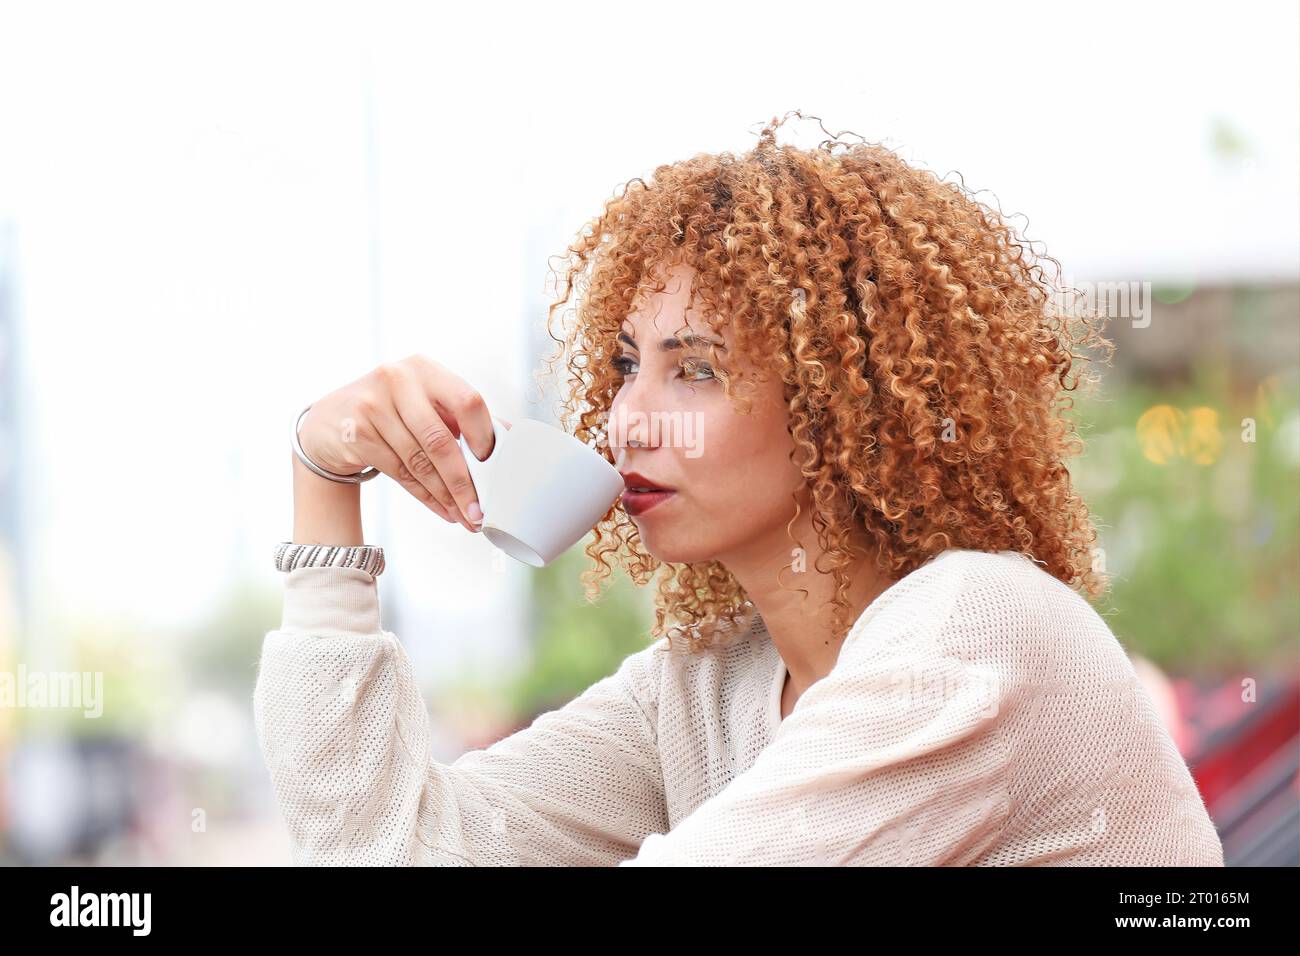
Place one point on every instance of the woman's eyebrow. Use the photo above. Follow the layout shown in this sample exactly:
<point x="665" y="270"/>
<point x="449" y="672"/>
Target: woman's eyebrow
<point x="686" y="340"/>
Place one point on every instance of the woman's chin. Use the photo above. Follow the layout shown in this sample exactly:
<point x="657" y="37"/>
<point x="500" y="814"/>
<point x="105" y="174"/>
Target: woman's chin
<point x="663" y="548"/>
<point x="673" y="538"/>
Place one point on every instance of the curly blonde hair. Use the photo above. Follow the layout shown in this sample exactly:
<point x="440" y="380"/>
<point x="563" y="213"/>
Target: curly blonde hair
<point x="923" y="362"/>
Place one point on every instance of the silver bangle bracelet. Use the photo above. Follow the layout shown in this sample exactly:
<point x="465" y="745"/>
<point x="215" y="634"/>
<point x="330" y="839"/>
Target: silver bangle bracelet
<point x="363" y="557"/>
<point x="360" y="476"/>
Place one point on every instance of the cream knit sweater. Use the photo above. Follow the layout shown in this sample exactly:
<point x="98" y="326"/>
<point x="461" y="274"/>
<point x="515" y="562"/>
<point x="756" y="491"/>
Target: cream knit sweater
<point x="980" y="712"/>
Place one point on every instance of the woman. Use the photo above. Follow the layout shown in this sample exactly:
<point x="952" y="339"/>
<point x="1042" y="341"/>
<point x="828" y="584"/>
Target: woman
<point x="869" y="645"/>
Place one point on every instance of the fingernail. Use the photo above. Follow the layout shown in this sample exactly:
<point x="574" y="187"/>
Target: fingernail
<point x="474" y="513"/>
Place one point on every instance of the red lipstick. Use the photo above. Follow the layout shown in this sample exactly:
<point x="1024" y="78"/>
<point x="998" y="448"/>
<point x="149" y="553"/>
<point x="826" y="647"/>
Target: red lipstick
<point x="641" y="493"/>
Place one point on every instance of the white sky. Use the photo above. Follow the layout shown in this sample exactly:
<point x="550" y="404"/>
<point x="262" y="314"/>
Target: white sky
<point x="196" y="188"/>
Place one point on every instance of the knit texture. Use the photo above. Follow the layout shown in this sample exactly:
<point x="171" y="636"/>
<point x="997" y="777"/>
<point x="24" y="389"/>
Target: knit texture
<point x="980" y="713"/>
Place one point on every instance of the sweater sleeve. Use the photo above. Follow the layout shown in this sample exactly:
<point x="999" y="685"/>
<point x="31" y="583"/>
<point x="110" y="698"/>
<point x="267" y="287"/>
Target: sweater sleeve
<point x="892" y="759"/>
<point x="345" y="735"/>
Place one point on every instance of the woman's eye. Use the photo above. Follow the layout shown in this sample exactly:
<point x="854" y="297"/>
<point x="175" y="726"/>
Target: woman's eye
<point x="690" y="367"/>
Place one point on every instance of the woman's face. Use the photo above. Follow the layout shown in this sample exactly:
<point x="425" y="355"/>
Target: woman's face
<point x="730" y="471"/>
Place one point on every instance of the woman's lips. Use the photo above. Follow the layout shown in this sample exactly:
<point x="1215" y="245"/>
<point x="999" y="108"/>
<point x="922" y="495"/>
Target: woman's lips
<point x="639" y="502"/>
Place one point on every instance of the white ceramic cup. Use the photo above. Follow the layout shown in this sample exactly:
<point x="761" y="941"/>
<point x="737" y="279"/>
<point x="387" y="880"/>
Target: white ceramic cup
<point x="541" y="490"/>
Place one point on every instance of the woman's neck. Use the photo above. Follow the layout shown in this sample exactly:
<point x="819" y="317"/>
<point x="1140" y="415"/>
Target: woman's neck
<point x="803" y="629"/>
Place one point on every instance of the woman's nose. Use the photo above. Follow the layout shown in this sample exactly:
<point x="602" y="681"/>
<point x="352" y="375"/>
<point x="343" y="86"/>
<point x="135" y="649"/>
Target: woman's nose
<point x="628" y="427"/>
<point x="632" y="418"/>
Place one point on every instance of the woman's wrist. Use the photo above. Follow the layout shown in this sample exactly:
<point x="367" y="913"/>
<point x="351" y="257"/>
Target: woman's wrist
<point x="324" y="511"/>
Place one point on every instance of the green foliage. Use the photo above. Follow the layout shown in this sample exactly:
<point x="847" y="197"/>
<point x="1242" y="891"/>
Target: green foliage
<point x="1201" y="542"/>
<point x="576" y="643"/>
<point x="121" y="683"/>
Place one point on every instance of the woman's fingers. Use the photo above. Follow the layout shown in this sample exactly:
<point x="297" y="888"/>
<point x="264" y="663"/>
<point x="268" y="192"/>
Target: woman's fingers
<point x="389" y="461"/>
<point x="411" y="415"/>
<point x="420" y="472"/>
<point x="459" y="404"/>
<point x="438" y="454"/>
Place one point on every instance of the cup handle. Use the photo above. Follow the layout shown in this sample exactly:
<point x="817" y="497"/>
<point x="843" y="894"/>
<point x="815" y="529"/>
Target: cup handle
<point x="499" y="430"/>
<point x="497" y="433"/>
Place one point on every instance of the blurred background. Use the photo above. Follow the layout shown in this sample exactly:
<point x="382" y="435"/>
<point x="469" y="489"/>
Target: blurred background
<point x="213" y="214"/>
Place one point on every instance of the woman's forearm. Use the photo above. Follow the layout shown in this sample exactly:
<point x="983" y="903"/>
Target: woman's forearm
<point x="324" y="511"/>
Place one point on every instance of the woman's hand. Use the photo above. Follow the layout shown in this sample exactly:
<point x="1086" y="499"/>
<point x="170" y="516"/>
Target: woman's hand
<point x="404" y="418"/>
